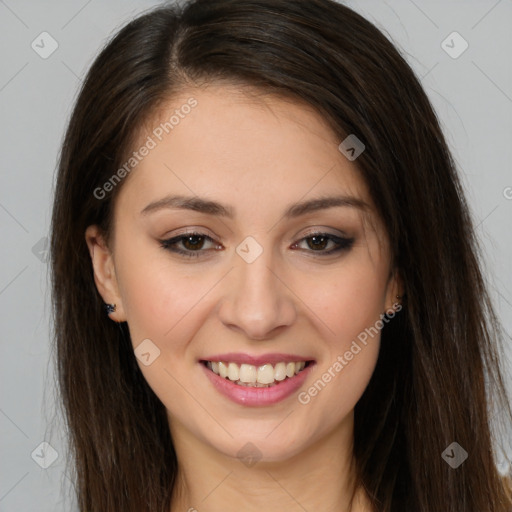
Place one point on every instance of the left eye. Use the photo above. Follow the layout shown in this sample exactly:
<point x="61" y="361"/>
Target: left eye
<point x="193" y="243"/>
<point x="319" y="242"/>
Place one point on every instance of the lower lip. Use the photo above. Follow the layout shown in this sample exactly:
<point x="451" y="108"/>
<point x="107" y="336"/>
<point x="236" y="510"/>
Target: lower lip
<point x="252" y="396"/>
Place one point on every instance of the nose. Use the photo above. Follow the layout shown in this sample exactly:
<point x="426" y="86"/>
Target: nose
<point x="257" y="301"/>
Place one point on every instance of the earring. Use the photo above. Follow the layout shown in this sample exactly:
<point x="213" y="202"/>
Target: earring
<point x="109" y="308"/>
<point x="398" y="303"/>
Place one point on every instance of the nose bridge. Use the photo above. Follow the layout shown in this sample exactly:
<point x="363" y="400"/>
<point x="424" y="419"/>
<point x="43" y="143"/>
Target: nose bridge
<point x="256" y="279"/>
<point x="254" y="261"/>
<point x="256" y="301"/>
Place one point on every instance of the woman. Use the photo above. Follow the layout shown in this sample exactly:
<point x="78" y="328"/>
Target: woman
<point x="267" y="290"/>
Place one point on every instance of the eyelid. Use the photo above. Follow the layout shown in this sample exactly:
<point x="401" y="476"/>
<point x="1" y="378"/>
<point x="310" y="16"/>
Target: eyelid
<point x="191" y="230"/>
<point x="321" y="230"/>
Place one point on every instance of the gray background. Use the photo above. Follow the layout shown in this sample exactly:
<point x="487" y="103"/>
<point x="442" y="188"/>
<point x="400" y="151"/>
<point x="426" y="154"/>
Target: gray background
<point x="471" y="93"/>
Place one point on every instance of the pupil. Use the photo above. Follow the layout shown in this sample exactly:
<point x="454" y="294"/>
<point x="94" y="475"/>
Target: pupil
<point x="194" y="241"/>
<point x="318" y="242"/>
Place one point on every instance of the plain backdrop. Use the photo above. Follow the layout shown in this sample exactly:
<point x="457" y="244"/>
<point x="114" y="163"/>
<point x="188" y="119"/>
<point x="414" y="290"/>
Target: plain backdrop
<point x="471" y="92"/>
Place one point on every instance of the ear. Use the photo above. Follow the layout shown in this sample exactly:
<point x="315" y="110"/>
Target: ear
<point x="104" y="271"/>
<point x="395" y="287"/>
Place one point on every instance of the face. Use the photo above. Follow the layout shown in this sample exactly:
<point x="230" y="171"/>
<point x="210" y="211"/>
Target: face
<point x="222" y="252"/>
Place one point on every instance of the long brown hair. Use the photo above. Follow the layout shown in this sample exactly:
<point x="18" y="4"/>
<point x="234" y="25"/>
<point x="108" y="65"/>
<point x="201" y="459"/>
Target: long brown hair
<point x="439" y="375"/>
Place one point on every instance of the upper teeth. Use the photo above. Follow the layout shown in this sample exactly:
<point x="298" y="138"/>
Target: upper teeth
<point x="250" y="374"/>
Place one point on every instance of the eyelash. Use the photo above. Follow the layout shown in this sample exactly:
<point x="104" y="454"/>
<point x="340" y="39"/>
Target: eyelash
<point x="344" y="244"/>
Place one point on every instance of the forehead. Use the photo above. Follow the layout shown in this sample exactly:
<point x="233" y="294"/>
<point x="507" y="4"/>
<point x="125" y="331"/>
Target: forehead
<point x="237" y="144"/>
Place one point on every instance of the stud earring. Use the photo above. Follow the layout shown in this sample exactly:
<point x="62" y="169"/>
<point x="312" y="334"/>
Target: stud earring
<point x="398" y="298"/>
<point x="109" y="308"/>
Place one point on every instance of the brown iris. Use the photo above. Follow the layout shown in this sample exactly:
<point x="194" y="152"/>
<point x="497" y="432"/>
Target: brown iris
<point x="319" y="242"/>
<point x="193" y="242"/>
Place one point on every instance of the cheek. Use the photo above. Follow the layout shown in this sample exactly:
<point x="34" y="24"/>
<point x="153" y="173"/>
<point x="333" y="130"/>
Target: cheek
<point x="158" y="300"/>
<point x="166" y="307"/>
<point x="336" y="388"/>
<point x="347" y="302"/>
<point x="341" y="377"/>
<point x="351" y="308"/>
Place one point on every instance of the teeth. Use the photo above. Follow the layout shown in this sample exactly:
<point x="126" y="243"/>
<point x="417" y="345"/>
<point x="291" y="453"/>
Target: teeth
<point x="266" y="374"/>
<point x="223" y="370"/>
<point x="252" y="376"/>
<point x="248" y="373"/>
<point x="280" y="371"/>
<point x="233" y="371"/>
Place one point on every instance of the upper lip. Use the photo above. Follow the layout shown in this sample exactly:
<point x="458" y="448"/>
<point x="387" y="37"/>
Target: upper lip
<point x="239" y="358"/>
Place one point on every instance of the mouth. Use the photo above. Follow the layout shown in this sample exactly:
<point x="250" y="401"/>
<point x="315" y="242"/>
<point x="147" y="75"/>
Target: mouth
<point x="264" y="375"/>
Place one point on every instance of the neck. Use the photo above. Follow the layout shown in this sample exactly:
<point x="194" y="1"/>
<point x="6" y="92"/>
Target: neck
<point x="320" y="477"/>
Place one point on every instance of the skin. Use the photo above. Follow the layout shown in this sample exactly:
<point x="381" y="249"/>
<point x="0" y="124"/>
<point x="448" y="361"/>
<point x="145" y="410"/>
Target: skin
<point x="258" y="155"/>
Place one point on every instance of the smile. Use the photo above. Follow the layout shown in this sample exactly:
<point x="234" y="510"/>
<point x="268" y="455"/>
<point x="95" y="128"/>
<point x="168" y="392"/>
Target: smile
<point x="266" y="375"/>
<point x="257" y="381"/>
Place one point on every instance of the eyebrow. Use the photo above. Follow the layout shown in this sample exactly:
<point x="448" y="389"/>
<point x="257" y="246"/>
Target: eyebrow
<point x="209" y="207"/>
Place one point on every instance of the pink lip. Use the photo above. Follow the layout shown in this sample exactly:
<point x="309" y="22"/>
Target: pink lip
<point x="239" y="358"/>
<point x="254" y="397"/>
